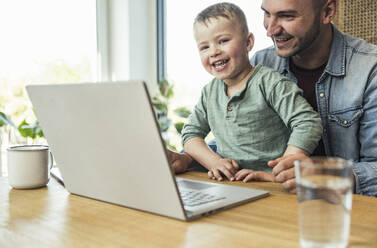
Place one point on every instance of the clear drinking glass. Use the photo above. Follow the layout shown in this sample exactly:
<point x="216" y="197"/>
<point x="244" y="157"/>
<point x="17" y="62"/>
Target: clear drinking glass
<point x="324" y="192"/>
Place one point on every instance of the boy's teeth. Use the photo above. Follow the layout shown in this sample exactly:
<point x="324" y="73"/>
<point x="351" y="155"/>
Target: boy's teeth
<point x="220" y="62"/>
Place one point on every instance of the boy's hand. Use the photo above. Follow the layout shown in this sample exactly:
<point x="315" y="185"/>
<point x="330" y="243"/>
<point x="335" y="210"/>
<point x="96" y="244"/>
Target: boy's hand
<point x="247" y="175"/>
<point x="223" y="166"/>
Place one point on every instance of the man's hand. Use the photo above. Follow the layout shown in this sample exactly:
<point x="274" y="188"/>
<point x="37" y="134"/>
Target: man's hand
<point x="223" y="166"/>
<point x="247" y="175"/>
<point x="179" y="161"/>
<point x="284" y="171"/>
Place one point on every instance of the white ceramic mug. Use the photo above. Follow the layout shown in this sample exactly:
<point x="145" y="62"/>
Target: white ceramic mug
<point x="29" y="166"/>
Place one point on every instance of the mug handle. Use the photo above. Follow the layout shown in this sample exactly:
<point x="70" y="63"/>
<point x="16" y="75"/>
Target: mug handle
<point x="51" y="160"/>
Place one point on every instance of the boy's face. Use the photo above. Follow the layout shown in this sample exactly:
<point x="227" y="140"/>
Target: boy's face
<point x="293" y="25"/>
<point x="223" y="48"/>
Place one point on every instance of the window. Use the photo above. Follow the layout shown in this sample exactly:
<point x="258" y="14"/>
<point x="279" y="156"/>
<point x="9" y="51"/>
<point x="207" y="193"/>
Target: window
<point x="43" y="42"/>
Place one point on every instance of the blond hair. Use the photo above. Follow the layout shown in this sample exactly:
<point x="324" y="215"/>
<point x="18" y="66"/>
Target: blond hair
<point x="226" y="10"/>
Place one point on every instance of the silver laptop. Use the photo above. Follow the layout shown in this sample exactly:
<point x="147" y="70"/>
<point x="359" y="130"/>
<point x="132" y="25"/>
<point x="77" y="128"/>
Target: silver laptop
<point x="107" y="145"/>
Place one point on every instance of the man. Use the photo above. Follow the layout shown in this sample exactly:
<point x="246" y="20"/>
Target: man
<point x="338" y="75"/>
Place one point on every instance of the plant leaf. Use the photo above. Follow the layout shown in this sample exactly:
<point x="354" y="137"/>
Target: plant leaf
<point x="170" y="146"/>
<point x="159" y="105"/>
<point x="38" y="130"/>
<point x="169" y="92"/>
<point x="179" y="126"/>
<point x="164" y="123"/>
<point x="30" y="130"/>
<point x="163" y="85"/>
<point x="25" y="129"/>
<point x="166" y="89"/>
<point x="5" y="120"/>
<point x="182" y="112"/>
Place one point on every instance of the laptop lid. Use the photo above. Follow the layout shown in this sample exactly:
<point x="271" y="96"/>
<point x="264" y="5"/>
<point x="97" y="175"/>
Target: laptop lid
<point x="107" y="145"/>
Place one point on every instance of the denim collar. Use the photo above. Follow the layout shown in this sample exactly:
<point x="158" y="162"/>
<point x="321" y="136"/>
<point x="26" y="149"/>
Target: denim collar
<point x="336" y="64"/>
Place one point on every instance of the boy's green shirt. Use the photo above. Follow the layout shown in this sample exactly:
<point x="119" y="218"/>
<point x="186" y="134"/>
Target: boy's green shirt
<point x="256" y="124"/>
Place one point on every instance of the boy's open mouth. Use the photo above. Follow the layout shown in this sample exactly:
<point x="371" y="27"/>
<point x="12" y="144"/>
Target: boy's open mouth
<point x="220" y="64"/>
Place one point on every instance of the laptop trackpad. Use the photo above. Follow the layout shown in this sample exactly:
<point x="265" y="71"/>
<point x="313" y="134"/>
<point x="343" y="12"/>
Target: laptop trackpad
<point x="193" y="185"/>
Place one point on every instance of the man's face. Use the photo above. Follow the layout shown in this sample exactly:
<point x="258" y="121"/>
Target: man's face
<point x="293" y="25"/>
<point x="223" y="48"/>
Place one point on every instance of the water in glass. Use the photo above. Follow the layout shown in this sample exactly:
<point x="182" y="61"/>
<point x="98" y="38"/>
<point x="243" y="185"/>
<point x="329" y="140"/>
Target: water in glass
<point x="325" y="203"/>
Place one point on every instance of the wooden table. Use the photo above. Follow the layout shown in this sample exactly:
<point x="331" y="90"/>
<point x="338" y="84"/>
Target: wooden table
<point x="51" y="217"/>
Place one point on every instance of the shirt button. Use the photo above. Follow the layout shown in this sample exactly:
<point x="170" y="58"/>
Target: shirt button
<point x="345" y="122"/>
<point x="230" y="108"/>
<point x="321" y="95"/>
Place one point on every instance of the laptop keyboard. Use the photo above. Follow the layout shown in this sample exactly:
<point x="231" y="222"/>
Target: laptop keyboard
<point x="192" y="198"/>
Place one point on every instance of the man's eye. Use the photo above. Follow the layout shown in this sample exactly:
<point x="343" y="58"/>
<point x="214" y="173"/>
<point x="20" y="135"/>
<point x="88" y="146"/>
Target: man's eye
<point x="287" y="16"/>
<point x="223" y="41"/>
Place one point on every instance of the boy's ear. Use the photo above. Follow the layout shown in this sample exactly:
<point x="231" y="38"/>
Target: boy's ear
<point x="250" y="41"/>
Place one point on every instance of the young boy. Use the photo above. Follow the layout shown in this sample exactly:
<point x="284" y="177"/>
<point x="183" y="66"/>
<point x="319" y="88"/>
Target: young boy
<point x="255" y="114"/>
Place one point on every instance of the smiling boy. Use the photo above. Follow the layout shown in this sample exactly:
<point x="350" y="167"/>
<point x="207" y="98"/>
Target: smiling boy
<point x="255" y="114"/>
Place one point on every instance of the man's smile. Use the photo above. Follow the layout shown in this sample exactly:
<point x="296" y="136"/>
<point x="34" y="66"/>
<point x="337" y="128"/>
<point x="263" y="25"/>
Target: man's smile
<point x="282" y="41"/>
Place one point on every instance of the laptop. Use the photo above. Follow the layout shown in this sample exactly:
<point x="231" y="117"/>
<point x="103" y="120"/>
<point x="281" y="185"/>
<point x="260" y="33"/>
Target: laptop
<point x="107" y="145"/>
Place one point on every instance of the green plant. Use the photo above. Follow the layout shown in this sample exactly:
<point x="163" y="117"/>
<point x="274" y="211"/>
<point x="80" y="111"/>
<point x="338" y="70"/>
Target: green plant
<point x="161" y="104"/>
<point x="25" y="129"/>
<point x="5" y="120"/>
<point x="182" y="112"/>
<point x="30" y="130"/>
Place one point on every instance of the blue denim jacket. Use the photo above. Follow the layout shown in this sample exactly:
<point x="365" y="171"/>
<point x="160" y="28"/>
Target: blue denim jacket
<point x="347" y="103"/>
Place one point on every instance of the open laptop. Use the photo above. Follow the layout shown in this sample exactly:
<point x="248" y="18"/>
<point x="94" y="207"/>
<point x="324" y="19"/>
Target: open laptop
<point x="107" y="145"/>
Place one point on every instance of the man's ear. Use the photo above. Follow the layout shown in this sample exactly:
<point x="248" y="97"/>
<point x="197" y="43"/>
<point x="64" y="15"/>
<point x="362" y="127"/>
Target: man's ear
<point x="329" y="10"/>
<point x="250" y="41"/>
